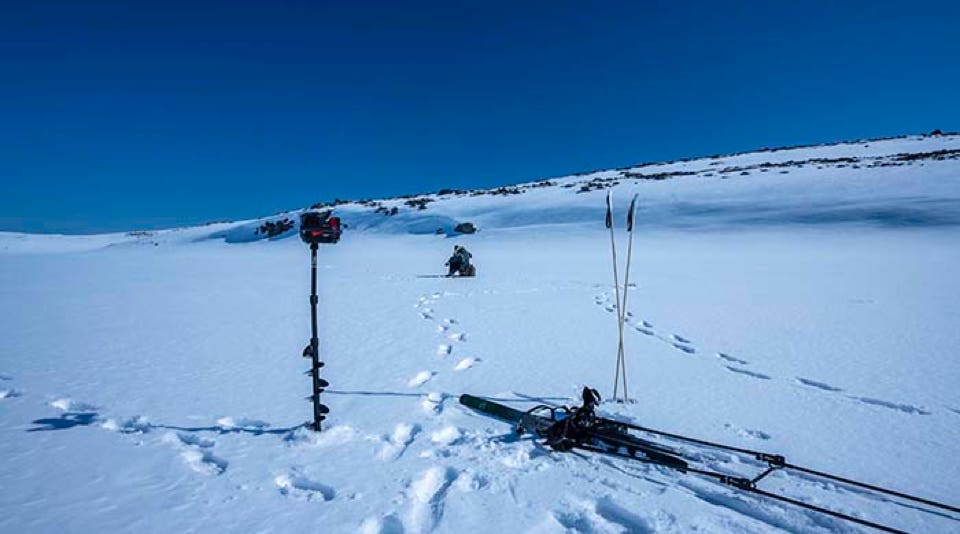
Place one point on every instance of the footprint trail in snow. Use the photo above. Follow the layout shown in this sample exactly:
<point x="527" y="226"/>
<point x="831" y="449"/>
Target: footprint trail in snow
<point x="734" y="364"/>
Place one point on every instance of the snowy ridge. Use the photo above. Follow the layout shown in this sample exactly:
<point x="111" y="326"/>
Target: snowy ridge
<point x="908" y="181"/>
<point x="777" y="187"/>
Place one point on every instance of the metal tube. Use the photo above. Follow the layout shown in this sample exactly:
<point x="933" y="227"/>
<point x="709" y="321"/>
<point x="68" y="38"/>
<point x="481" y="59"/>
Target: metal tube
<point x="314" y="340"/>
<point x="616" y="285"/>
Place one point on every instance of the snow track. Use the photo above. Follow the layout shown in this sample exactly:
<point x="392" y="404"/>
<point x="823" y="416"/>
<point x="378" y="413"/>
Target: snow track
<point x="684" y="344"/>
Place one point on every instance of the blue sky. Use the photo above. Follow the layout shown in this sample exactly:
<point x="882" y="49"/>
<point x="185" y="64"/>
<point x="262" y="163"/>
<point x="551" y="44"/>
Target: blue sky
<point x="127" y="115"/>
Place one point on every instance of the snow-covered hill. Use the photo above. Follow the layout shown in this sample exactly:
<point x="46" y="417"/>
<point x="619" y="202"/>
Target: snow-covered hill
<point x="802" y="301"/>
<point x="899" y="182"/>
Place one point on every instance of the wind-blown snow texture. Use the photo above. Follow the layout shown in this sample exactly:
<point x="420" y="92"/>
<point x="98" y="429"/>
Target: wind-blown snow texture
<point x="797" y="301"/>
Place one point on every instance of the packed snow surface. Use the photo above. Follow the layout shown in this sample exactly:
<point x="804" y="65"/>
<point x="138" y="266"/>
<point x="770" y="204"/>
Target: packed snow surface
<point x="152" y="381"/>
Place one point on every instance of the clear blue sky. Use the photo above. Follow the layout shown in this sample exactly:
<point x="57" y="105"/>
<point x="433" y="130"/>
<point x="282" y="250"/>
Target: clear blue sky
<point x="124" y="115"/>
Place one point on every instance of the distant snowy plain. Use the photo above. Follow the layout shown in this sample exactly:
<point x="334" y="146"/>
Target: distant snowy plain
<point x="152" y="382"/>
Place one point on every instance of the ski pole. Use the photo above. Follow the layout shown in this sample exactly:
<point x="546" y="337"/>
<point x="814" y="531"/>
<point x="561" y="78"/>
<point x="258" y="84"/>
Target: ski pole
<point x="616" y="285"/>
<point x="626" y="291"/>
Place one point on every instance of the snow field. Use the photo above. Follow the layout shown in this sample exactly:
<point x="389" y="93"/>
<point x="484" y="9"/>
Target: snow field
<point x="160" y="388"/>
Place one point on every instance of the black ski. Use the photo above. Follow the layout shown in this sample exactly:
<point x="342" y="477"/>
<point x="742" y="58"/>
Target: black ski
<point x="565" y="428"/>
<point x="607" y="437"/>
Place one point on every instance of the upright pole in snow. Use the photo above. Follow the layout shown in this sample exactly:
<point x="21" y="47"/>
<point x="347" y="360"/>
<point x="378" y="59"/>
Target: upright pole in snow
<point x="316" y="226"/>
<point x="616" y="285"/>
<point x="312" y="350"/>
<point x="622" y="309"/>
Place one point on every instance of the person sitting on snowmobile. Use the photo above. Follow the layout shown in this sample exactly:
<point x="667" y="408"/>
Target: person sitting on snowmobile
<point x="459" y="263"/>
